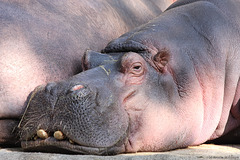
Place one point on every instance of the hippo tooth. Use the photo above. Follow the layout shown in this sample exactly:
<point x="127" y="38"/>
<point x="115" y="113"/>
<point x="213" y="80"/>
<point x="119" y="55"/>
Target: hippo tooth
<point x="71" y="141"/>
<point x="42" y="134"/>
<point x="58" y="135"/>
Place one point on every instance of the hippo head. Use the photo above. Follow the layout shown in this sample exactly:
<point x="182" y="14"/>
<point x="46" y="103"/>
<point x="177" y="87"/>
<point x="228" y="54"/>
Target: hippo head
<point x="162" y="86"/>
<point x="122" y="102"/>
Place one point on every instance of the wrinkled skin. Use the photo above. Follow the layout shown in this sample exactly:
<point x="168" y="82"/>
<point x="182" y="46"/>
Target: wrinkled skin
<point x="168" y="84"/>
<point x="43" y="41"/>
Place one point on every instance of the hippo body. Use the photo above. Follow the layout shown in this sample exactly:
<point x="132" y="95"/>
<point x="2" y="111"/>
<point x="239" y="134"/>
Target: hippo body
<point x="44" y="41"/>
<point x="171" y="83"/>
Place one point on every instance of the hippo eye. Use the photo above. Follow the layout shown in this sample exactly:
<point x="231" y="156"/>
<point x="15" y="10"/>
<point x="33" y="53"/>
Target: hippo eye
<point x="136" y="68"/>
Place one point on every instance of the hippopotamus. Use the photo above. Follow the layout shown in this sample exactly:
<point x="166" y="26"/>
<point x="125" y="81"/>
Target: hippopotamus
<point x="45" y="41"/>
<point x="170" y="83"/>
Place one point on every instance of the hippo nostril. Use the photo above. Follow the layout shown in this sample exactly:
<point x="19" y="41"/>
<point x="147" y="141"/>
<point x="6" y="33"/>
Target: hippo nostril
<point x="79" y="91"/>
<point x="77" y="87"/>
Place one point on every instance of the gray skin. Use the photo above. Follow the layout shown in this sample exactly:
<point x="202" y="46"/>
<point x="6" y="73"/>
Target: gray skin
<point x="43" y="41"/>
<point x="168" y="84"/>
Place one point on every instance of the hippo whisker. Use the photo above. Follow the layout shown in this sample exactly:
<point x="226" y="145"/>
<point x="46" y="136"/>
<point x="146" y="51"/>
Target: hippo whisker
<point x="30" y="99"/>
<point x="107" y="72"/>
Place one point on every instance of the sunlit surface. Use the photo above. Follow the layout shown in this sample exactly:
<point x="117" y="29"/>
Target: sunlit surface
<point x="202" y="150"/>
<point x="221" y="148"/>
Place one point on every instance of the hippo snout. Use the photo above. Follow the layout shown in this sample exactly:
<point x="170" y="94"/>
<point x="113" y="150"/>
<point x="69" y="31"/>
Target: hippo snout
<point x="67" y="117"/>
<point x="89" y="113"/>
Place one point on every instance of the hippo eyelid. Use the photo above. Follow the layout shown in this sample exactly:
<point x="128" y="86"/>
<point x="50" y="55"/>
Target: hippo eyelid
<point x="137" y="68"/>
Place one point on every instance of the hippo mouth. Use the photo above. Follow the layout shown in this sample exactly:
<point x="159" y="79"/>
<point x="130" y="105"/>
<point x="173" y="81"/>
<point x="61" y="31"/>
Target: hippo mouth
<point x="53" y="144"/>
<point x="73" y="121"/>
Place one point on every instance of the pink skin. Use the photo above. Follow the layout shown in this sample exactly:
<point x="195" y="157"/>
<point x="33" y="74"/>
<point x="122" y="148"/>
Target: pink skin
<point x="204" y="72"/>
<point x="179" y="95"/>
<point x="149" y="131"/>
<point x="163" y="125"/>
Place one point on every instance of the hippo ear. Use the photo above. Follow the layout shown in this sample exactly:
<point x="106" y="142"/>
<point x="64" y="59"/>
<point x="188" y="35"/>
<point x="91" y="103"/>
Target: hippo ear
<point x="92" y="59"/>
<point x="161" y="59"/>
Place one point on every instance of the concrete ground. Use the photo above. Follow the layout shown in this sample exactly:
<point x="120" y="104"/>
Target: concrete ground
<point x="205" y="151"/>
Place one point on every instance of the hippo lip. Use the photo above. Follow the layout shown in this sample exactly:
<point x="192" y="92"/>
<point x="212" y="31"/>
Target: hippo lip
<point x="68" y="146"/>
<point x="31" y="141"/>
<point x="44" y="145"/>
<point x="52" y="145"/>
